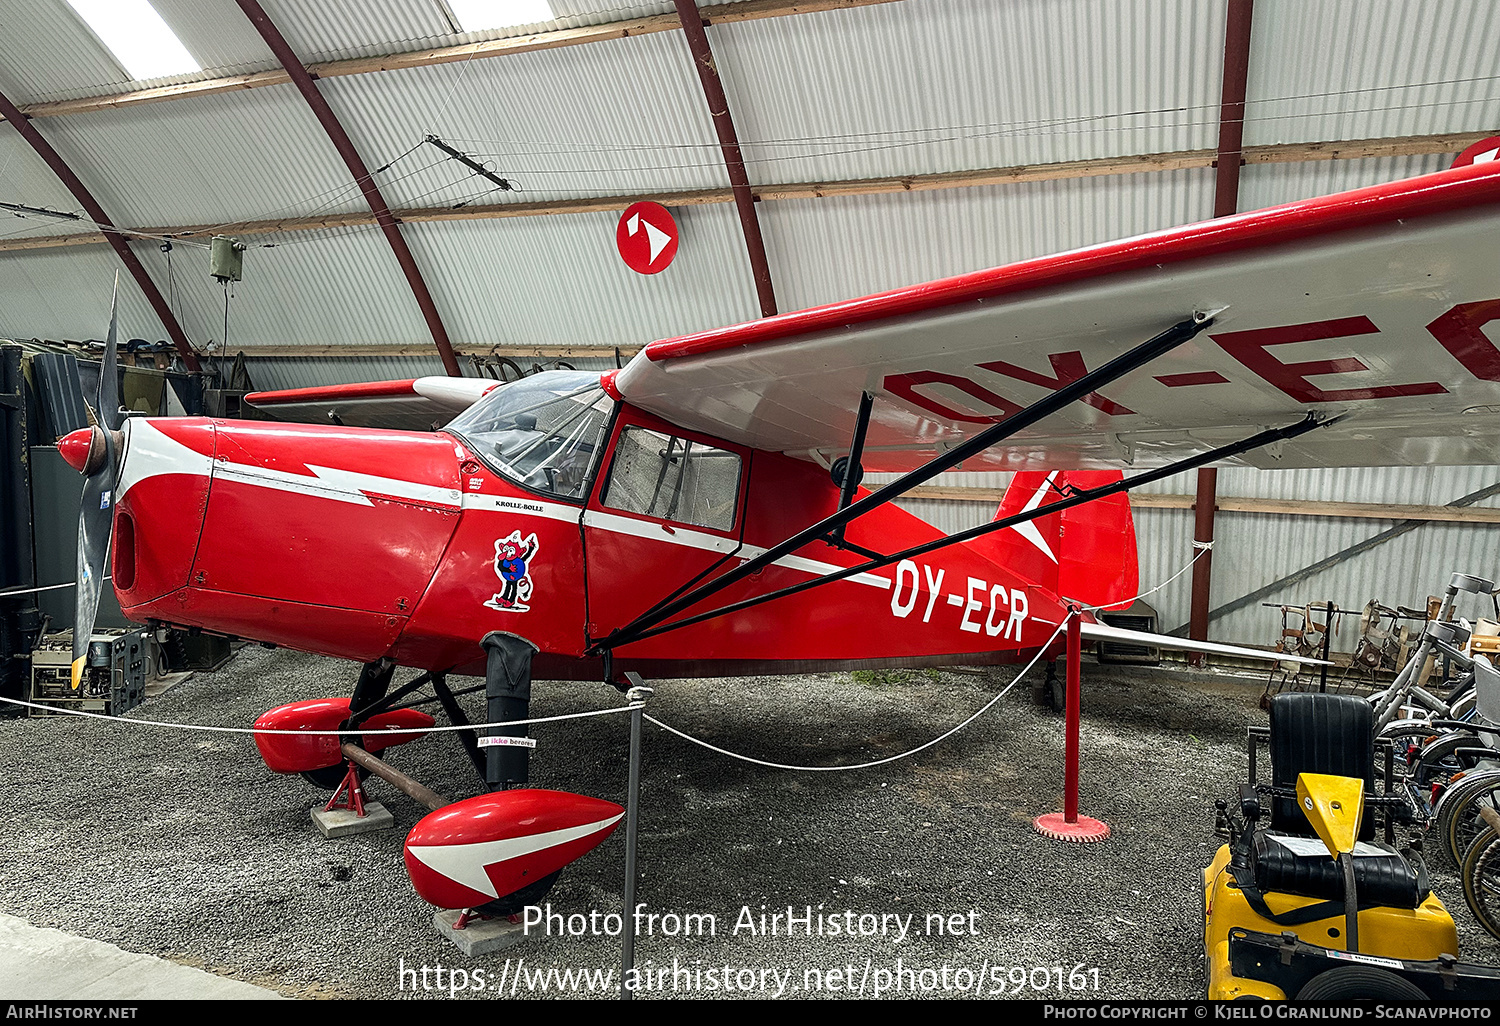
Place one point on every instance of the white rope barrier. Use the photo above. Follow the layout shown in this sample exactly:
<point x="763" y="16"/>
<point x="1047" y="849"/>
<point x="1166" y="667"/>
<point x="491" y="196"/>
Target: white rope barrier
<point x="46" y="587"/>
<point x="1202" y="547"/>
<point x="877" y="762"/>
<point x="317" y="733"/>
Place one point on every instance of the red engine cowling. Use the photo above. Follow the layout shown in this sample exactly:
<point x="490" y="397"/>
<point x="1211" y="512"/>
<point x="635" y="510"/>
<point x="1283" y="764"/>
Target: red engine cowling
<point x="475" y="851"/>
<point x="291" y="753"/>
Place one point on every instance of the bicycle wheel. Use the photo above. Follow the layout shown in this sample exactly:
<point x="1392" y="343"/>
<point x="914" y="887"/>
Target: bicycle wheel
<point x="1481" y="876"/>
<point x="1455" y="815"/>
<point x="1464" y="823"/>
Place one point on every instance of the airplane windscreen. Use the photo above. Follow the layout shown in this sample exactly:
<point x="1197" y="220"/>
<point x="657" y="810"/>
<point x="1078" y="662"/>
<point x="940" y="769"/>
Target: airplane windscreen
<point x="544" y="432"/>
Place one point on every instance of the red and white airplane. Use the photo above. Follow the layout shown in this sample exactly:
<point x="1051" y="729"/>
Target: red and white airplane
<point x="695" y="514"/>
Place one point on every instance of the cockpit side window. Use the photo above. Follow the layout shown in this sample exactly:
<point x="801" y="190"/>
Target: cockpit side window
<point x="671" y="478"/>
<point x="545" y="433"/>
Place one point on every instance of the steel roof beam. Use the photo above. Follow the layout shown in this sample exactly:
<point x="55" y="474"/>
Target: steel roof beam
<point x="1232" y="107"/>
<point x="96" y="213"/>
<point x="1227" y="163"/>
<point x="729" y="144"/>
<point x="362" y="177"/>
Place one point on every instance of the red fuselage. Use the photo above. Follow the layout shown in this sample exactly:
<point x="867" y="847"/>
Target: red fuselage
<point x="363" y="544"/>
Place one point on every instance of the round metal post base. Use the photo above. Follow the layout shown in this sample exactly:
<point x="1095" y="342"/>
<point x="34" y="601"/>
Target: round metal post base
<point x="1084" y="831"/>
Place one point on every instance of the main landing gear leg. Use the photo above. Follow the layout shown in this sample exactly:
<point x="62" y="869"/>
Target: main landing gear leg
<point x="507" y="687"/>
<point x="374" y="681"/>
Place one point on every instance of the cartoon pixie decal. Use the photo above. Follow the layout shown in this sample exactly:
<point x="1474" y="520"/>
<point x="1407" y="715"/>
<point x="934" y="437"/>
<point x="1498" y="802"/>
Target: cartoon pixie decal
<point x="512" y="563"/>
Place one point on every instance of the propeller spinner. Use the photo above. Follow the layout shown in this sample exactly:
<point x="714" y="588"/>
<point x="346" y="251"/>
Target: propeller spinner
<point x="94" y="452"/>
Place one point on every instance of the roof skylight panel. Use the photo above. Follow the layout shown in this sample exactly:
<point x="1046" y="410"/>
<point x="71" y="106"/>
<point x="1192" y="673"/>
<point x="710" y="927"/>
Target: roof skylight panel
<point x="140" y="40"/>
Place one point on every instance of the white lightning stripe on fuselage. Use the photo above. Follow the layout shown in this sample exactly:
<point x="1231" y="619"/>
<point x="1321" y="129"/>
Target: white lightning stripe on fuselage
<point x="340" y="485"/>
<point x="465" y="863"/>
<point x="526" y="507"/>
<point x="653" y="531"/>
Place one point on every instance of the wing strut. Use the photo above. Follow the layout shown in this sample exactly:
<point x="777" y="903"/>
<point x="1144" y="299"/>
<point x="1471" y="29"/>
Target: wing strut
<point x="649" y="626"/>
<point x="849" y="477"/>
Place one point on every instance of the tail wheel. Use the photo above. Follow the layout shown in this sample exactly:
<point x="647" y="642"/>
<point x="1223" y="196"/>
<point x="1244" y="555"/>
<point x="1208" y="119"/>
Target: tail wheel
<point x="511" y="904"/>
<point x="1359" y="981"/>
<point x="1481" y="876"/>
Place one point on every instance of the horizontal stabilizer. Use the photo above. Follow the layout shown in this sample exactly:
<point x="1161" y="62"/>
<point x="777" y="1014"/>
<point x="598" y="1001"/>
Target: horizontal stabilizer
<point x="1104" y="632"/>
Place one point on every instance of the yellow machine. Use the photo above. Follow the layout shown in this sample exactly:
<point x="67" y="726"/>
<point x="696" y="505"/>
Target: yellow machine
<point x="1308" y="905"/>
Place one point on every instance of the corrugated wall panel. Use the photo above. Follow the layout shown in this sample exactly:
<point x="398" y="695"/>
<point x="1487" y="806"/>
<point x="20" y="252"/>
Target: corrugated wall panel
<point x="921" y="87"/>
<point x="1252" y="550"/>
<point x="826" y="250"/>
<point x="269" y="373"/>
<point x="1266" y="185"/>
<point x="559" y="280"/>
<point x="1361" y="69"/>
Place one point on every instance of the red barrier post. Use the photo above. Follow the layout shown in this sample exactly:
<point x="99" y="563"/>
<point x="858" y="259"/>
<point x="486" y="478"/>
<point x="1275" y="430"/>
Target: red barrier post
<point x="1069" y="825"/>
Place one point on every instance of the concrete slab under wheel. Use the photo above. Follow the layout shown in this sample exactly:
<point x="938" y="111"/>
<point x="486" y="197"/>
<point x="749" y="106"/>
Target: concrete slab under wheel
<point x="166" y="681"/>
<point x="479" y="936"/>
<point x="39" y="964"/>
<point x="344" y="822"/>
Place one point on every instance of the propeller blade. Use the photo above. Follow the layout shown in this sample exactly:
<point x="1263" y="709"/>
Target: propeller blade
<point x="109" y="372"/>
<point x="93" y="549"/>
<point x="96" y="514"/>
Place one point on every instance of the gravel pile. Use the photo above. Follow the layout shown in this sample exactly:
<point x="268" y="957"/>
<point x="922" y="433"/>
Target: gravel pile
<point x="185" y="846"/>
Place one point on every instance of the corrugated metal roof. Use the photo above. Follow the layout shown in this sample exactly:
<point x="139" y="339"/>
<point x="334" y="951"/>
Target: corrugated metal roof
<point x="557" y="122"/>
<point x="888" y="89"/>
<point x="27" y="180"/>
<point x="911" y="88"/>
<point x="64" y="294"/>
<point x="46" y="53"/>
<point x="206" y="160"/>
<point x="339" y="288"/>
<point x="321" y="30"/>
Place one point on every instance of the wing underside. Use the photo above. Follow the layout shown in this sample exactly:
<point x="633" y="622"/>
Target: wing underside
<point x="1381" y="305"/>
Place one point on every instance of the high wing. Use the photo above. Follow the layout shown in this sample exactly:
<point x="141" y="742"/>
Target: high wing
<point x="419" y="404"/>
<point x="1382" y="304"/>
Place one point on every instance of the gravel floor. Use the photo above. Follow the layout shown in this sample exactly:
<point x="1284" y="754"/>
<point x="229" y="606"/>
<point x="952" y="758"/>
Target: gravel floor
<point x="186" y="846"/>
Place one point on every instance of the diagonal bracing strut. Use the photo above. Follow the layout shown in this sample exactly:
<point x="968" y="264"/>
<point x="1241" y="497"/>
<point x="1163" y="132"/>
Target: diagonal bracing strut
<point x="638" y="632"/>
<point x="1100" y="377"/>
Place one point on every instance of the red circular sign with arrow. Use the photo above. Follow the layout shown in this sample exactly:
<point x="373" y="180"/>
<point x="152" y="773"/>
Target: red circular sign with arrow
<point x="646" y="237"/>
<point x="1482" y="152"/>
